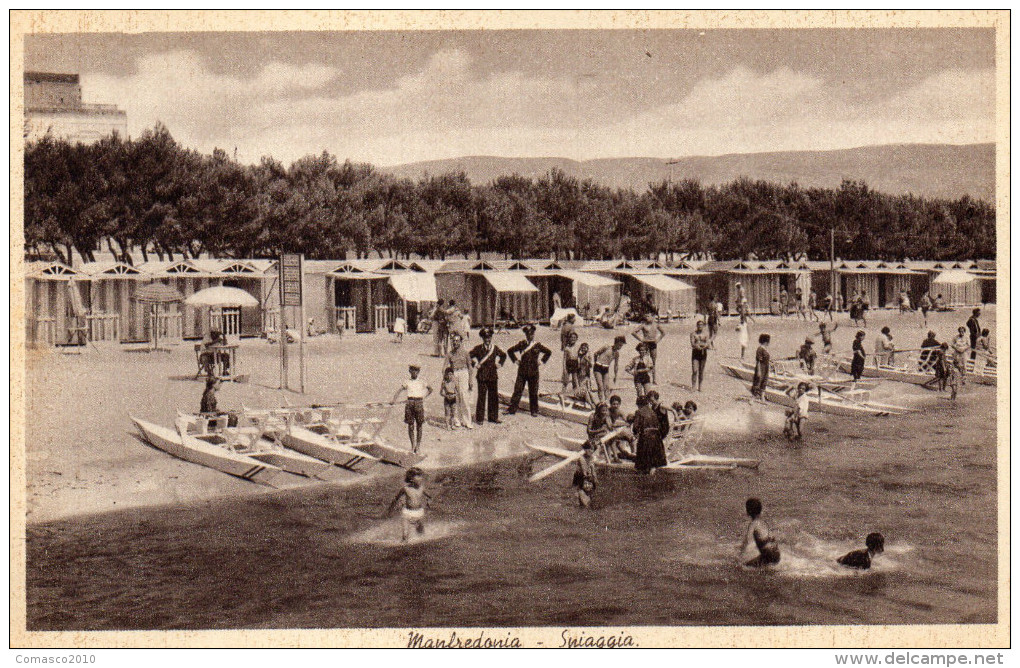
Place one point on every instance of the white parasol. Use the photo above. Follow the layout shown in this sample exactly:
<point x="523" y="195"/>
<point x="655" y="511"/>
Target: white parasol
<point x="221" y="296"/>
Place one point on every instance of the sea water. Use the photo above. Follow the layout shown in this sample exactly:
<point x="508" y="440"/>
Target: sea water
<point x="498" y="550"/>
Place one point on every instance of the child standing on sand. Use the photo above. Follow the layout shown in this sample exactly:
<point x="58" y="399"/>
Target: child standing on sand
<point x="448" y="390"/>
<point x="412" y="501"/>
<point x="414" y="409"/>
<point x="796" y="415"/>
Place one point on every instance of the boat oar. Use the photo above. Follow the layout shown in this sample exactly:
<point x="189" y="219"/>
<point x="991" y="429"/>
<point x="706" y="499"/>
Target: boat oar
<point x="546" y="472"/>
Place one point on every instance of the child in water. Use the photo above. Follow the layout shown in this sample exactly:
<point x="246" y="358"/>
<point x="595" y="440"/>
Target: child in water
<point x="449" y="392"/>
<point x="758" y="532"/>
<point x="585" y="477"/>
<point x="412" y="501"/>
<point x="861" y="559"/>
<point x="796" y="415"/>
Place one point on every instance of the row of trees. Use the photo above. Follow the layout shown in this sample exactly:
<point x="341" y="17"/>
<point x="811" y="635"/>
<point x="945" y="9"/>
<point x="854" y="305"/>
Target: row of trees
<point x="151" y="194"/>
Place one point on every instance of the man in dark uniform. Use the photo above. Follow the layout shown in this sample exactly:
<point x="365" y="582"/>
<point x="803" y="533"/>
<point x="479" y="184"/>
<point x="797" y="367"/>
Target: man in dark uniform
<point x="487" y="358"/>
<point x="526" y="356"/>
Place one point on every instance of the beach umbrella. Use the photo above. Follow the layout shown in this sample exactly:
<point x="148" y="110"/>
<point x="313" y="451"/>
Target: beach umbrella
<point x="158" y="293"/>
<point x="221" y="296"/>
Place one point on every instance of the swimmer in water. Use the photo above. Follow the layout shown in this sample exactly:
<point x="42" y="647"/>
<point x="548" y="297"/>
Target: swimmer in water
<point x="758" y="531"/>
<point x="861" y="559"/>
<point x="412" y="501"/>
<point x="585" y="477"/>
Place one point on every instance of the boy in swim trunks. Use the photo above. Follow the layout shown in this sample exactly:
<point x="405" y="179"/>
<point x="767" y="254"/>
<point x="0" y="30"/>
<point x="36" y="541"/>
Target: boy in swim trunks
<point x="861" y="559"/>
<point x="758" y="532"/>
<point x="619" y="421"/>
<point x="412" y="501"/>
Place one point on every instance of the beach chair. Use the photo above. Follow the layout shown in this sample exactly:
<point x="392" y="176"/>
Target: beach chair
<point x="685" y="437"/>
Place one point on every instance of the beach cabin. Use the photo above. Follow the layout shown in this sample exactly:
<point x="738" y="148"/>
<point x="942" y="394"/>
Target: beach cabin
<point x="706" y="285"/>
<point x="49" y="320"/>
<point x="187" y="279"/>
<point x="647" y="282"/>
<point x="369" y="294"/>
<point x="762" y="281"/>
<point x="880" y="281"/>
<point x="589" y="293"/>
<point x="112" y="313"/>
<point x="985" y="270"/>
<point x="488" y="293"/>
<point x="957" y="287"/>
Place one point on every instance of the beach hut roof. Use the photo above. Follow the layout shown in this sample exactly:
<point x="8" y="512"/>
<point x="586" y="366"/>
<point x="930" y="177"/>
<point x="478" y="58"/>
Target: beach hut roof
<point x="354" y="270"/>
<point x="109" y="269"/>
<point x="427" y="265"/>
<point x="172" y="268"/>
<point x="954" y="277"/>
<point x="321" y="266"/>
<point x="585" y="278"/>
<point x="415" y="286"/>
<point x="509" y="281"/>
<point x="53" y="271"/>
<point x="662" y="283"/>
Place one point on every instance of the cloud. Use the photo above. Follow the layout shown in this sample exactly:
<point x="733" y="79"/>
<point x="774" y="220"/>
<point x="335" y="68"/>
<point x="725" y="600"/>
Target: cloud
<point x="448" y="108"/>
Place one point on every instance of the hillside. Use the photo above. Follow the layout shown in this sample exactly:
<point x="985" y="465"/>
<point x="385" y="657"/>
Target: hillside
<point x="939" y="170"/>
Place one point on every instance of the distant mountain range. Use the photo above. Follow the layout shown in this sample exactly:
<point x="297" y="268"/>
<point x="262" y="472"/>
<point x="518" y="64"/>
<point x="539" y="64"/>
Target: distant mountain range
<point x="937" y="170"/>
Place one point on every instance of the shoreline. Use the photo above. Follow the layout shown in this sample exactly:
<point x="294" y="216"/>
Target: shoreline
<point x="89" y="461"/>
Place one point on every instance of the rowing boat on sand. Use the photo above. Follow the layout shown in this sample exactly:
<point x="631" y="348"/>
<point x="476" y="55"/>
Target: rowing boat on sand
<point x="782" y="380"/>
<point x="848" y="404"/>
<point x="250" y="439"/>
<point x="554" y="406"/>
<point x="184" y="446"/>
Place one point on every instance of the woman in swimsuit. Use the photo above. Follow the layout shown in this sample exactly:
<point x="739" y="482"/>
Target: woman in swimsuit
<point x="641" y="367"/>
<point x="605" y="356"/>
<point x="758" y="531"/>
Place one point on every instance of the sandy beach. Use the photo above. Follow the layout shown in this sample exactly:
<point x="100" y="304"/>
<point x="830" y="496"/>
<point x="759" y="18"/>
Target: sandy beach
<point x="83" y="455"/>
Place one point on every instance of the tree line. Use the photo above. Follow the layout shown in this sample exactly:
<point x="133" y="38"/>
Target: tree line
<point x="153" y="195"/>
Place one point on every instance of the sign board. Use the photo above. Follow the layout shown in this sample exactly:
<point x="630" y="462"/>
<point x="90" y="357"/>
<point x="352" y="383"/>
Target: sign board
<point x="290" y="279"/>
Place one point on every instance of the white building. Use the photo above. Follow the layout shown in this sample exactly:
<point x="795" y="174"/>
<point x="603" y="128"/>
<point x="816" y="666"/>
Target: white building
<point x="53" y="104"/>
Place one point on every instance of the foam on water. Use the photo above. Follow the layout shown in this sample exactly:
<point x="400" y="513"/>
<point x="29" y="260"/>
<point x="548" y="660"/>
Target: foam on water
<point x="388" y="533"/>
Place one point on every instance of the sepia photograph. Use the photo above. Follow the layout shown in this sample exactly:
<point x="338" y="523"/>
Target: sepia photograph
<point x="510" y="329"/>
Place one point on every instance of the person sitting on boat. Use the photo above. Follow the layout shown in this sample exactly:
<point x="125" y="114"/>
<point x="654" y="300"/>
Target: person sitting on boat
<point x="599" y="424"/>
<point x="799" y="412"/>
<point x="620" y="423"/>
<point x="651" y="426"/>
<point x="208" y="406"/>
<point x="758" y="532"/>
<point x="884" y="348"/>
<point x="807" y="355"/>
<point x="874" y="544"/>
<point x="586" y="476"/>
<point x="928" y="347"/>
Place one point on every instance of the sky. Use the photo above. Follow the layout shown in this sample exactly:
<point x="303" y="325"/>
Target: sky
<point x="389" y="98"/>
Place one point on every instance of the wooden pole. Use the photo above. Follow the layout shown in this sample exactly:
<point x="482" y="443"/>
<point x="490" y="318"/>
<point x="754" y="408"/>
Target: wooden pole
<point x="304" y="327"/>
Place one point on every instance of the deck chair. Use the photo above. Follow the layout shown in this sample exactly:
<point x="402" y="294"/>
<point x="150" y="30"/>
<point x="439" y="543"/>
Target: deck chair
<point x="685" y="437"/>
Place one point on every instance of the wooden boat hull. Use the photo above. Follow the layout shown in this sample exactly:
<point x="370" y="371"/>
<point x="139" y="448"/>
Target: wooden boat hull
<point x="745" y="373"/>
<point x="323" y="447"/>
<point x="389" y="454"/>
<point x="915" y="377"/>
<point x="686" y="463"/>
<point x="196" y="451"/>
<point x="830" y="404"/>
<point x="551" y="407"/>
